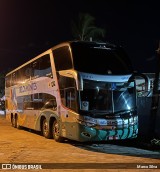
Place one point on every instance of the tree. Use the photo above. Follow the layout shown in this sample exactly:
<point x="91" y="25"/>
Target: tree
<point x="2" y="92"/>
<point x="85" y="28"/>
<point x="2" y="84"/>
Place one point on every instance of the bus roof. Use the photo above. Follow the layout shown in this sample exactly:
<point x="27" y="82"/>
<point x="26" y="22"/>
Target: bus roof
<point x="93" y="44"/>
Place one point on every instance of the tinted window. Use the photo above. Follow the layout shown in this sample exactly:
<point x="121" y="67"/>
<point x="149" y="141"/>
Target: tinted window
<point x="8" y="81"/>
<point x="66" y="82"/>
<point x="51" y="104"/>
<point x="62" y="58"/>
<point x="45" y="66"/>
<point x="36" y="101"/>
<point x="100" y="60"/>
<point x="14" y="79"/>
<point x="35" y="69"/>
<point x="68" y="92"/>
<point x="41" y="67"/>
<point x="24" y="73"/>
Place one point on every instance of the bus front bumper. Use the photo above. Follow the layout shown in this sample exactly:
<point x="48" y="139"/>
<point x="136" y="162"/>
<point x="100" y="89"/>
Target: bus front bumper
<point x="100" y="134"/>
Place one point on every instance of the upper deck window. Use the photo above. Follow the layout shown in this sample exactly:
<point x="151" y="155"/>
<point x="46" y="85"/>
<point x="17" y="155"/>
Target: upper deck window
<point x="62" y="58"/>
<point x="41" y="67"/>
<point x="93" y="58"/>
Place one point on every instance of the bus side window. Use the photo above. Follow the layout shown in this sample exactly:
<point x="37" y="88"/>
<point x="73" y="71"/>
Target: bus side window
<point x="71" y="98"/>
<point x="45" y="66"/>
<point x="14" y="79"/>
<point x="8" y="81"/>
<point x="41" y="67"/>
<point x="62" y="58"/>
<point x="51" y="104"/>
<point x="35" y="69"/>
<point x="68" y="92"/>
<point x="25" y="73"/>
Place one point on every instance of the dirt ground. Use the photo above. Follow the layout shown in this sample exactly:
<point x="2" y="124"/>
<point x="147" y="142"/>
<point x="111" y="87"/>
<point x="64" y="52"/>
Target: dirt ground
<point x="25" y="146"/>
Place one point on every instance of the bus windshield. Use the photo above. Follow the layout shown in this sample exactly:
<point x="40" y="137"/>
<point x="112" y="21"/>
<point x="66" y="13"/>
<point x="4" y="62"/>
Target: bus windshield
<point x="100" y="60"/>
<point x="107" y="97"/>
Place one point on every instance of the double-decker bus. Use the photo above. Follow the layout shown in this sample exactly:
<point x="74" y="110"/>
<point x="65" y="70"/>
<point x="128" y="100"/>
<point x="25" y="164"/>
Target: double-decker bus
<point x="82" y="91"/>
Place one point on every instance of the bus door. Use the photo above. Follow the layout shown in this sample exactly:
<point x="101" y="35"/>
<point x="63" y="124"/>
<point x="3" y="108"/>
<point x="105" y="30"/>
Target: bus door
<point x="68" y="93"/>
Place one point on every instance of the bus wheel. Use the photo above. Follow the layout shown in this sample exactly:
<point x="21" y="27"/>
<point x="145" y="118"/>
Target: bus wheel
<point x="56" y="132"/>
<point x="13" y="121"/>
<point x="17" y="124"/>
<point x="45" y="129"/>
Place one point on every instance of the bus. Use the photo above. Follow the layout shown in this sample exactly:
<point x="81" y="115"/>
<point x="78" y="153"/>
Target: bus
<point x="77" y="90"/>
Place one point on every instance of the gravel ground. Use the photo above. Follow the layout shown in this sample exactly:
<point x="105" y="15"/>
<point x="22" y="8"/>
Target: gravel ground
<point x="25" y="146"/>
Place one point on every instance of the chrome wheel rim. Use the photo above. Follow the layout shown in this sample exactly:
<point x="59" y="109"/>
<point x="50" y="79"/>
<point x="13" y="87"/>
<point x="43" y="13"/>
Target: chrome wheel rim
<point x="56" y="129"/>
<point x="45" y="128"/>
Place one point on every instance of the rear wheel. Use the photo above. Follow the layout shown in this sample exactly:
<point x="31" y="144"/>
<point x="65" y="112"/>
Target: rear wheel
<point x="17" y="124"/>
<point x="45" y="129"/>
<point x="56" y="132"/>
<point x="14" y="122"/>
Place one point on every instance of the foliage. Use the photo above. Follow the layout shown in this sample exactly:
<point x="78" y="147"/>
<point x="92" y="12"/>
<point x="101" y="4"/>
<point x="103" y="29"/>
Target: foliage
<point x="85" y="28"/>
<point x="2" y="83"/>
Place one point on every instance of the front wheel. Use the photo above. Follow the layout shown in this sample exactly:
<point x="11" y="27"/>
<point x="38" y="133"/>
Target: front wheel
<point x="56" y="132"/>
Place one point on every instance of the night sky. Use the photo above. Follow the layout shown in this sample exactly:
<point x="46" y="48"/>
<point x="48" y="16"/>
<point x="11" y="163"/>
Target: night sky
<point x="29" y="27"/>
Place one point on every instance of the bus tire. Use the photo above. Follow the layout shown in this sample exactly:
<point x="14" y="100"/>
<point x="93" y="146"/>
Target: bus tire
<point x="13" y="122"/>
<point x="46" y="132"/>
<point x="17" y="124"/>
<point x="56" y="132"/>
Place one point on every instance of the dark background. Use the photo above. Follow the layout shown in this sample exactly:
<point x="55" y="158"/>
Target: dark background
<point x="29" y="27"/>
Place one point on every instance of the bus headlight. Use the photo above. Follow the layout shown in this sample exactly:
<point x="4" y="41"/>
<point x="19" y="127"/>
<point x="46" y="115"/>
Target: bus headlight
<point x="131" y="120"/>
<point x="135" y="118"/>
<point x="87" y="121"/>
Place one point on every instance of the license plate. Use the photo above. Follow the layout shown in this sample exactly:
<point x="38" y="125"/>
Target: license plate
<point x="113" y="137"/>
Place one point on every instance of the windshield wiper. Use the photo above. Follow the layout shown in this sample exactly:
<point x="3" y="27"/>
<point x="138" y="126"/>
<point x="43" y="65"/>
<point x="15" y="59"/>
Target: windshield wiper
<point x="124" y="111"/>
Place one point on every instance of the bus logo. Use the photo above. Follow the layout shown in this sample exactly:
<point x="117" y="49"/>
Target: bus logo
<point x="29" y="87"/>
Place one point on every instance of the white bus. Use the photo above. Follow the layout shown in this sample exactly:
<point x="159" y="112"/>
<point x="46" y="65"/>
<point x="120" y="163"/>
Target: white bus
<point x="82" y="91"/>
